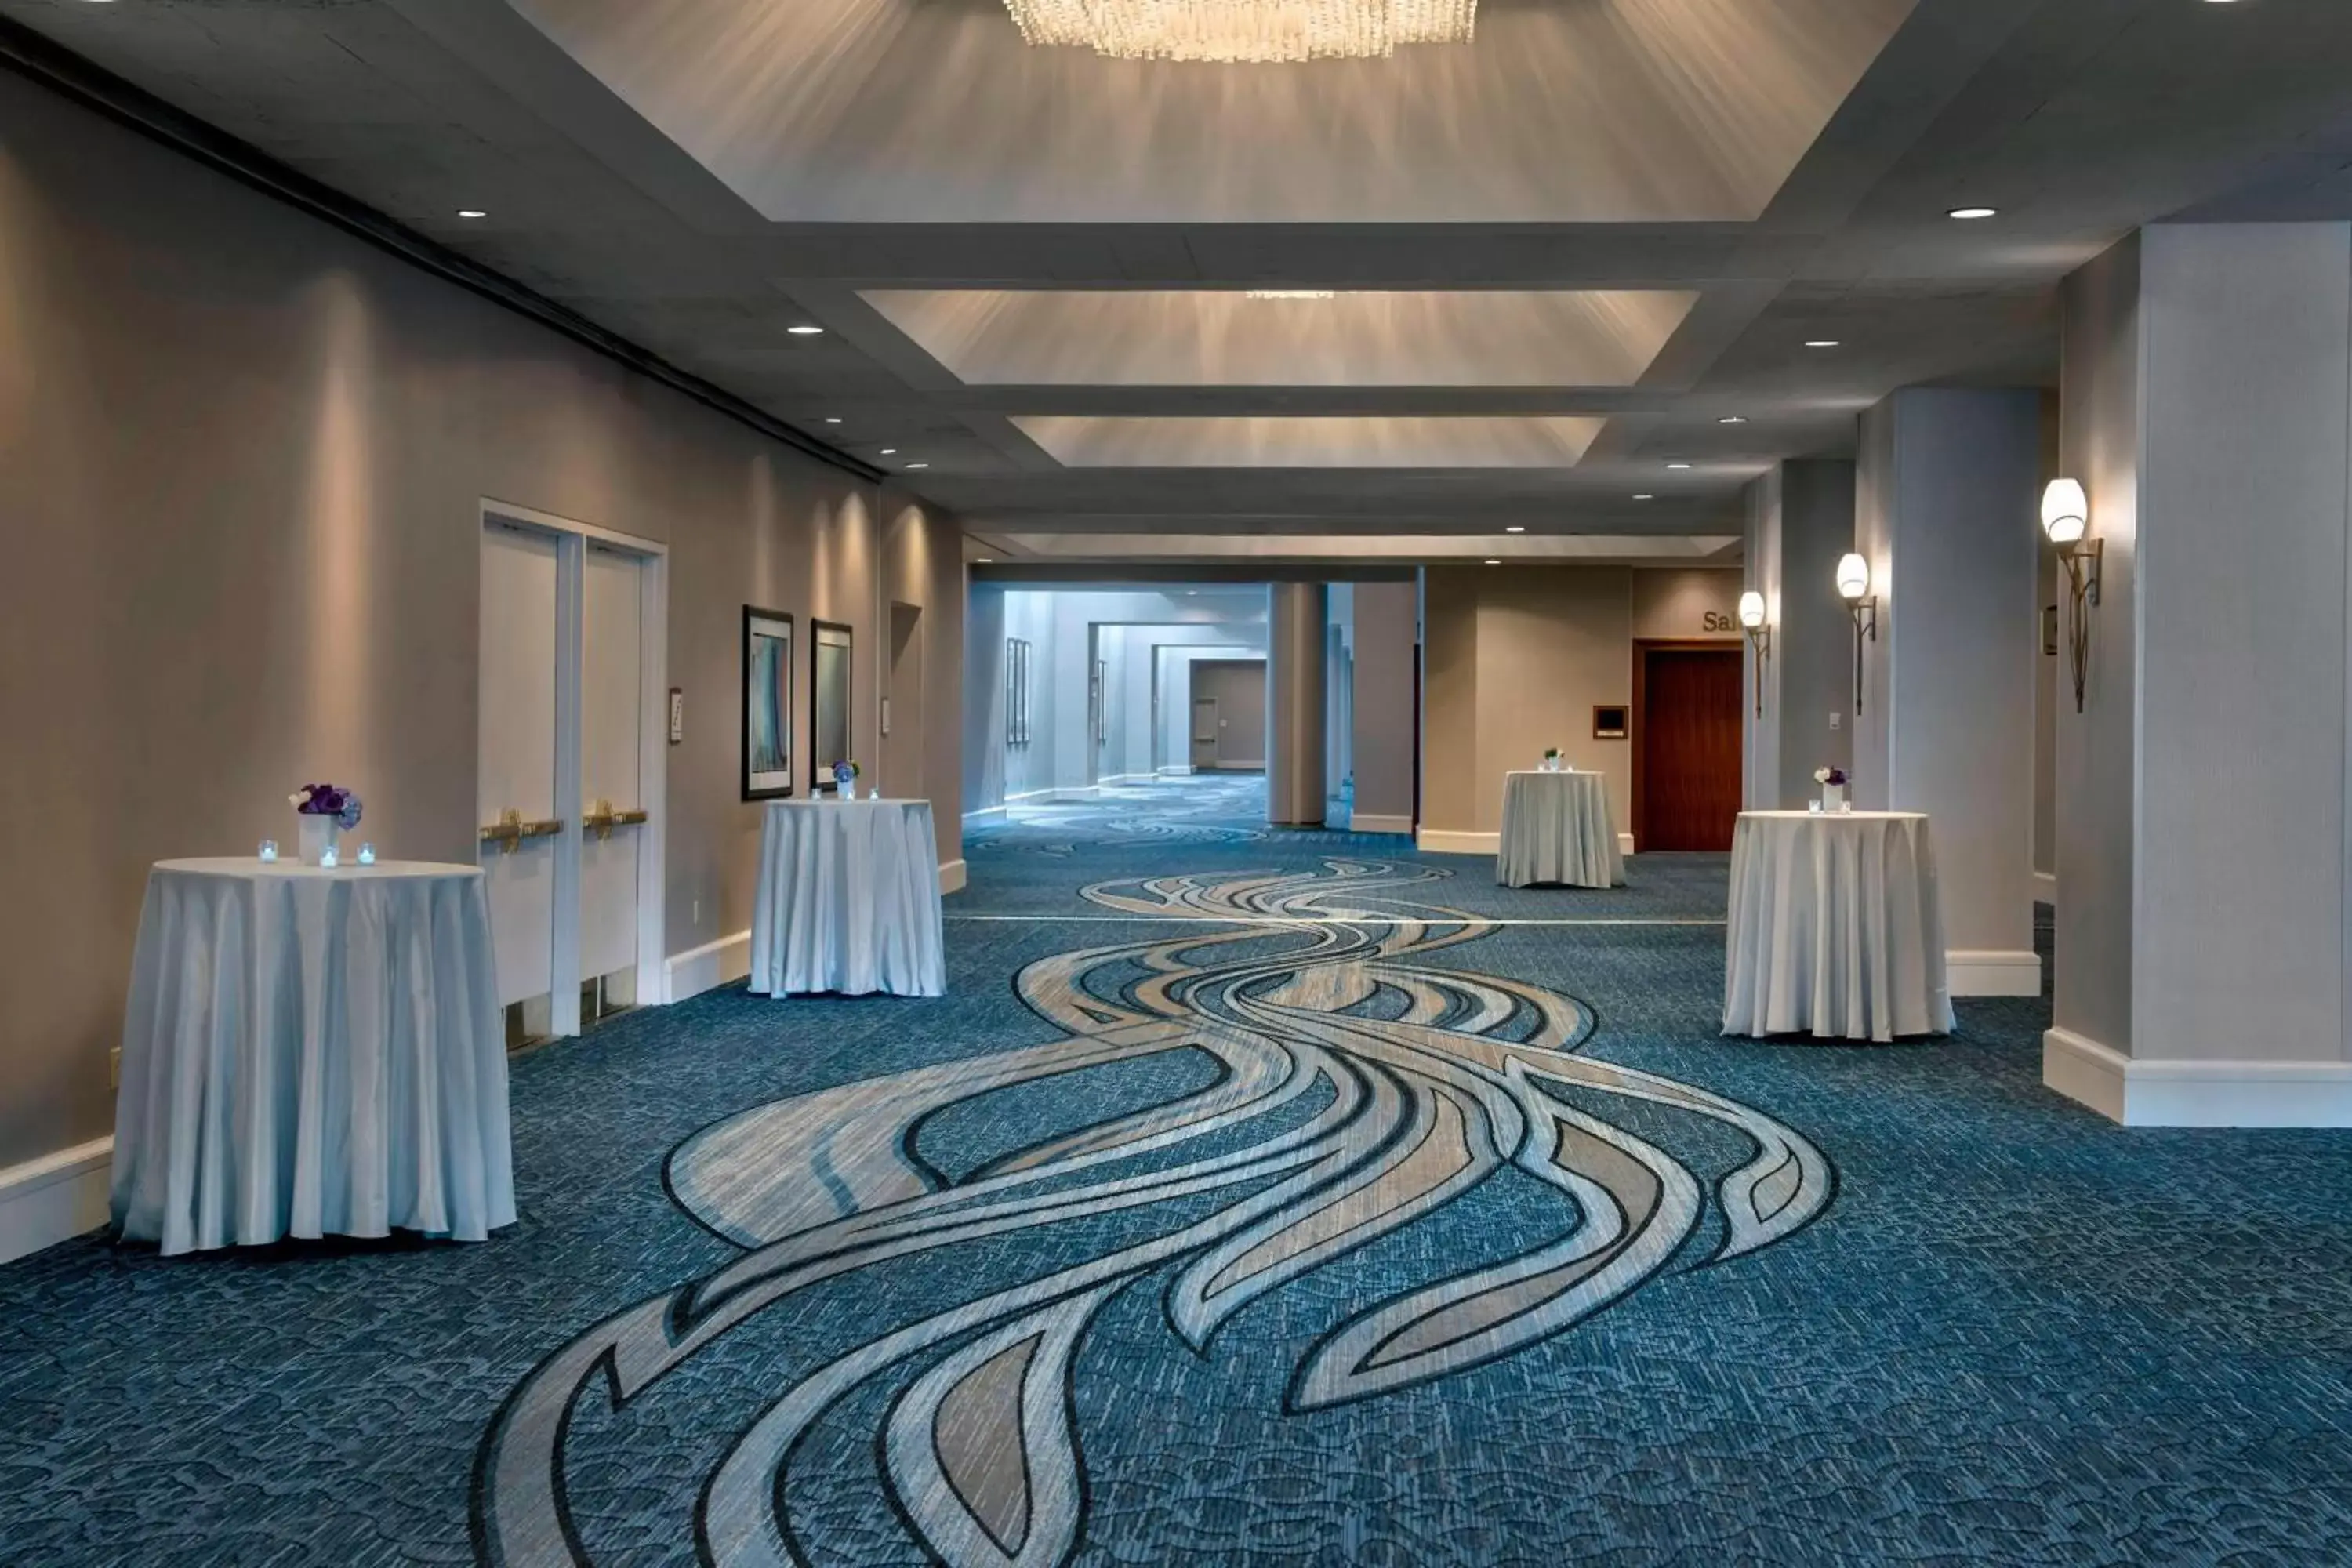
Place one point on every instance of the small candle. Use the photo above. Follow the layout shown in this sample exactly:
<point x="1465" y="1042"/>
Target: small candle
<point x="367" y="853"/>
<point x="327" y="860"/>
<point x="268" y="851"/>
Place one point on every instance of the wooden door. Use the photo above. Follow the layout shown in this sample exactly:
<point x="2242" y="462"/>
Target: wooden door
<point x="1686" y="738"/>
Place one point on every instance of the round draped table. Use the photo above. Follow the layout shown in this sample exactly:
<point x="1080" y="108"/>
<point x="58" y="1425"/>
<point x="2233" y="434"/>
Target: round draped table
<point x="1557" y="829"/>
<point x="848" y="899"/>
<point x="312" y="1052"/>
<point x="1835" y="927"/>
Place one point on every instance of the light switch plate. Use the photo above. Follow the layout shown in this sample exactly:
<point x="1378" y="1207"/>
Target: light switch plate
<point x="1837" y="721"/>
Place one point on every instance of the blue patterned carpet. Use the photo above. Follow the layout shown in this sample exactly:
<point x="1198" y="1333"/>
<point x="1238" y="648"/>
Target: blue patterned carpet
<point x="1253" y="1198"/>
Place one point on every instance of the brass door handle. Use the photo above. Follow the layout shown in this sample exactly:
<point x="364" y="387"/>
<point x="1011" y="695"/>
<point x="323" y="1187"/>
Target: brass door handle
<point x="509" y="830"/>
<point x="602" y="819"/>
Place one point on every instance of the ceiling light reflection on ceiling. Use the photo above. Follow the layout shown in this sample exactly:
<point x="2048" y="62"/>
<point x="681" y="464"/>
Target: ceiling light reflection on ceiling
<point x="1230" y="32"/>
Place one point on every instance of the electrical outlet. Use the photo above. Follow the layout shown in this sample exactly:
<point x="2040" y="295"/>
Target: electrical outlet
<point x="114" y="1068"/>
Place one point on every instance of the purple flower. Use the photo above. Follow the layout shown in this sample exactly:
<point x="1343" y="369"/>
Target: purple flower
<point x="327" y="800"/>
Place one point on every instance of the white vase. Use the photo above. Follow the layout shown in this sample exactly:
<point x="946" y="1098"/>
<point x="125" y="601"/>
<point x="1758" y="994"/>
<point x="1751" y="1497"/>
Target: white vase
<point x="320" y="834"/>
<point x="1833" y="797"/>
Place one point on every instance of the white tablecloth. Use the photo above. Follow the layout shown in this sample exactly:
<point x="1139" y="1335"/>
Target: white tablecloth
<point x="848" y="899"/>
<point x="1557" y="829"/>
<point x="311" y="1052"/>
<point x="1835" y="927"/>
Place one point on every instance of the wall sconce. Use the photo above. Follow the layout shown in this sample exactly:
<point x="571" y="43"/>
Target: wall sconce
<point x="1751" y="620"/>
<point x="2066" y="519"/>
<point x="1854" y="587"/>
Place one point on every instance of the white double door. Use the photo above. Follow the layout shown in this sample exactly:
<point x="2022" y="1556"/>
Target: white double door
<point x="570" y="774"/>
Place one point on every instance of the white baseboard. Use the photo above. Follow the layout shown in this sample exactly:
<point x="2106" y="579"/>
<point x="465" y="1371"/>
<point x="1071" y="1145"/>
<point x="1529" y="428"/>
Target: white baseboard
<point x="707" y="967"/>
<point x="2196" y="1093"/>
<point x="1130" y="779"/>
<point x="47" y="1200"/>
<point x="953" y="874"/>
<point x="1177" y="769"/>
<point x="2045" y="888"/>
<point x="1993" y="973"/>
<point x="1433" y="841"/>
<point x="1624" y="844"/>
<point x="984" y="812"/>
<point x="1366" y="821"/>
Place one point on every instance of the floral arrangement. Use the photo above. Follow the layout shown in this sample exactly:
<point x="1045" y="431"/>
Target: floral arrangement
<point x="846" y="773"/>
<point x="328" y="800"/>
<point x="1830" y="776"/>
<point x="1551" y="753"/>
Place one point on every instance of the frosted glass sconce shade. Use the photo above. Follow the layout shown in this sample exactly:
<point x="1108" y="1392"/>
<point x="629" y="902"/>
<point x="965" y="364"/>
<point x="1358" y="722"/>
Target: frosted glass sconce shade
<point x="2065" y="511"/>
<point x="1852" y="578"/>
<point x="1751" y="609"/>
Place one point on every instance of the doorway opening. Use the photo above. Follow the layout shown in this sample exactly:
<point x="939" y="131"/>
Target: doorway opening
<point x="1228" y="701"/>
<point x="1687" y="745"/>
<point x="571" y="768"/>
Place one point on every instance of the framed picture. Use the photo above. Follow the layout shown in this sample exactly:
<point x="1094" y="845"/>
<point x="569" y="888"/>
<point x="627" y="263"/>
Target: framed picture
<point x="829" y="736"/>
<point x="767" y="704"/>
<point x="1609" y="722"/>
<point x="1016" y="692"/>
<point x="2050" y="630"/>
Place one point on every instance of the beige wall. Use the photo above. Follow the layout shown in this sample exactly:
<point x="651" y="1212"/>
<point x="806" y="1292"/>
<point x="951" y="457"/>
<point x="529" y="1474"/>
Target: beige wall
<point x="242" y="459"/>
<point x="1699" y="604"/>
<point x="1239" y="687"/>
<point x="1386" y="632"/>
<point x="1513" y="662"/>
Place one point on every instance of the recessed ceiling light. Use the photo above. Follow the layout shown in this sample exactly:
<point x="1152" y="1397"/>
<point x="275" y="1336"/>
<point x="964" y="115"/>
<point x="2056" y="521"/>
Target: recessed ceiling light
<point x="1820" y="343"/>
<point x="1733" y="419"/>
<point x="889" y="451"/>
<point x="471" y="213"/>
<point x="918" y="465"/>
<point x="832" y="421"/>
<point x="805" y="331"/>
<point x="1646" y="496"/>
<point x="1678" y="467"/>
<point x="1494" y="564"/>
<point x="1515" y="529"/>
<point x="984" y="561"/>
<point x="1969" y="214"/>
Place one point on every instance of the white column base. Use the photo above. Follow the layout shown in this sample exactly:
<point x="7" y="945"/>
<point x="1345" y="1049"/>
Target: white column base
<point x="54" y="1197"/>
<point x="1993" y="973"/>
<point x="1624" y="844"/>
<point x="2045" y="888"/>
<point x="1433" y="841"/>
<point x="953" y="874"/>
<point x="2196" y="1093"/>
<point x="707" y="967"/>
<point x="1363" y="822"/>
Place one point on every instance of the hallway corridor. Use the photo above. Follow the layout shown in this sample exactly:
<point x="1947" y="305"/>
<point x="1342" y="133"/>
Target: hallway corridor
<point x="1252" y="1197"/>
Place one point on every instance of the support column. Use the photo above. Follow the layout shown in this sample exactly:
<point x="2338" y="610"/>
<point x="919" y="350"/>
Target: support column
<point x="1799" y="521"/>
<point x="2203" y="836"/>
<point x="1388" y="622"/>
<point x="1946" y="498"/>
<point x="1295" y="677"/>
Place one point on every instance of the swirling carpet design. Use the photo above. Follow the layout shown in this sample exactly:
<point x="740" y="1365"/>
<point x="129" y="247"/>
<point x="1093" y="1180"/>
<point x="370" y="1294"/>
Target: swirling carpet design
<point x="1353" y="1090"/>
<point x="1162" y="1238"/>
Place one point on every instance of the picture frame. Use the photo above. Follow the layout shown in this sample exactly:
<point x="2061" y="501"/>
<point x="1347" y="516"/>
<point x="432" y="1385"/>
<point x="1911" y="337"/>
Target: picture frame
<point x="767" y="694"/>
<point x="2050" y="630"/>
<point x="1016" y="692"/>
<point x="832" y="736"/>
<point x="1611" y="722"/>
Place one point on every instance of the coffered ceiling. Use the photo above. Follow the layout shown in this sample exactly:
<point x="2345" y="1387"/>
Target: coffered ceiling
<point x="1573" y="268"/>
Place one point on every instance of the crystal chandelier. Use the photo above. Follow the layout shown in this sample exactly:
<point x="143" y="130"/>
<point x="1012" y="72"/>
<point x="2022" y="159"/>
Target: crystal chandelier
<point x="1243" y="31"/>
